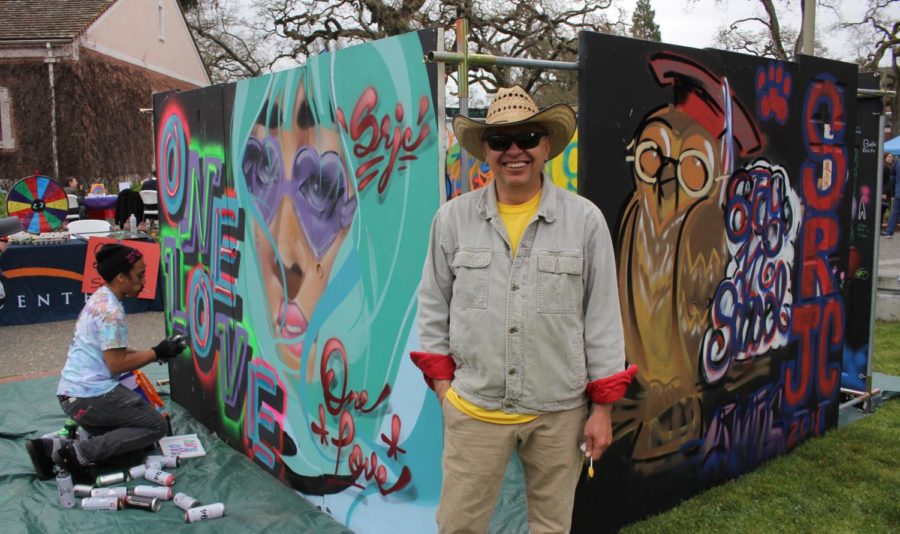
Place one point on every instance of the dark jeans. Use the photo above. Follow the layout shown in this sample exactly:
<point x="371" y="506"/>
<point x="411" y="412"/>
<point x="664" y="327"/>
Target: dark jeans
<point x="120" y="421"/>
<point x="895" y="215"/>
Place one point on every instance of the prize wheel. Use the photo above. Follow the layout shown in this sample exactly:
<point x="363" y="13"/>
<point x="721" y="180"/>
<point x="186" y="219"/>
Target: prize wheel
<point x="39" y="202"/>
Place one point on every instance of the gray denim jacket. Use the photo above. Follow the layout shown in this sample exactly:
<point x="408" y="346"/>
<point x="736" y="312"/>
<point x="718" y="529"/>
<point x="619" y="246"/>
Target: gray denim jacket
<point x="527" y="335"/>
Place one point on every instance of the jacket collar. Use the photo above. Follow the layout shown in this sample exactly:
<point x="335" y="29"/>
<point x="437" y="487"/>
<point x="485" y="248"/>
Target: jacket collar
<point x="487" y="202"/>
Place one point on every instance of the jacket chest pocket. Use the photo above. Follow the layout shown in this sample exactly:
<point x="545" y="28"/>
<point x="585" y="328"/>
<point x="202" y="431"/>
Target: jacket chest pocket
<point x="559" y="283"/>
<point x="470" y="288"/>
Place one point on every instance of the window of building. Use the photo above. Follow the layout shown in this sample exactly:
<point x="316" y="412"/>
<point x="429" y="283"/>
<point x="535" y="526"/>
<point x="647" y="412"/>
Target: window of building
<point x="7" y="140"/>
<point x="160" y="20"/>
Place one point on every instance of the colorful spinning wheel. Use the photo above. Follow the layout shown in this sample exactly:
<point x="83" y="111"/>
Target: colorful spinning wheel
<point x="39" y="202"/>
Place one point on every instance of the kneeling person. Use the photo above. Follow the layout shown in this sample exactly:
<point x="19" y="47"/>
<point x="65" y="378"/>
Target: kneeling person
<point x="89" y="391"/>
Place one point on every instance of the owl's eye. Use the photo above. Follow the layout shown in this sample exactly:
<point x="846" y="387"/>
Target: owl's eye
<point x="648" y="161"/>
<point x="694" y="173"/>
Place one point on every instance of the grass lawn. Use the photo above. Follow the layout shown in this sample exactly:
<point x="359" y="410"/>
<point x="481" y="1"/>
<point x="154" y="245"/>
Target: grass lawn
<point x="846" y="481"/>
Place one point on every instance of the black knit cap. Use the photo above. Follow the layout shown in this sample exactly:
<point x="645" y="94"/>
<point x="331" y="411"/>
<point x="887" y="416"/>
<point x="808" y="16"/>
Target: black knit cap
<point x="114" y="258"/>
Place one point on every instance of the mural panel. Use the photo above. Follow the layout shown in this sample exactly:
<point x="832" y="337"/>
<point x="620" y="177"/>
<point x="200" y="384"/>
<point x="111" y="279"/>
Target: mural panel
<point x="723" y="180"/>
<point x="859" y="284"/>
<point x="296" y="209"/>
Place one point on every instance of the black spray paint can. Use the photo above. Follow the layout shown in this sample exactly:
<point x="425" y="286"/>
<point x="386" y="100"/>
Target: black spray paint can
<point x="150" y="504"/>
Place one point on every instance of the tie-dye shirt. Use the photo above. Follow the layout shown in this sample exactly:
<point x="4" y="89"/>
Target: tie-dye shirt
<point x="101" y="326"/>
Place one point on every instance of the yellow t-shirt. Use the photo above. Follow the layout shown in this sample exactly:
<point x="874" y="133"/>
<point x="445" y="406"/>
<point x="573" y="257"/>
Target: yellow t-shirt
<point x="516" y="218"/>
<point x="488" y="416"/>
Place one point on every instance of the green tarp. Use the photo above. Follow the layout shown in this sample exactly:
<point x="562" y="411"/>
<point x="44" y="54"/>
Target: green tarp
<point x="254" y="501"/>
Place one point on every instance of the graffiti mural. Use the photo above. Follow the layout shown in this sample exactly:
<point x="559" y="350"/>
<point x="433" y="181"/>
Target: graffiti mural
<point x="296" y="209"/>
<point x="725" y="180"/>
<point x="563" y="169"/>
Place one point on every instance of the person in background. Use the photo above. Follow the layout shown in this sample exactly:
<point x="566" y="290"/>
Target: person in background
<point x="887" y="184"/>
<point x="89" y="391"/>
<point x="519" y="323"/>
<point x="890" y="191"/>
<point x="71" y="186"/>
<point x="150" y="184"/>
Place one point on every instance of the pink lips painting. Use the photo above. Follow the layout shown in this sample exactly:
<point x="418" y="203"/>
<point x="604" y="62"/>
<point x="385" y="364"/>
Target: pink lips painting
<point x="293" y="324"/>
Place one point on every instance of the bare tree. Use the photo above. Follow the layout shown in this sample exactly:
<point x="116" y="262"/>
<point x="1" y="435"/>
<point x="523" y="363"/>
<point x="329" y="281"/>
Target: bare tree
<point x="764" y="34"/>
<point x="244" y="42"/>
<point x="878" y="35"/>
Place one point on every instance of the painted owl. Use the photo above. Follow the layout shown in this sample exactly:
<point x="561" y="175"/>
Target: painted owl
<point x="672" y="249"/>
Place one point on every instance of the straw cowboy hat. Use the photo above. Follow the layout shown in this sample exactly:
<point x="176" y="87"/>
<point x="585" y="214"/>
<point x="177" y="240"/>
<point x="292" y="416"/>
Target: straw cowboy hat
<point x="512" y="107"/>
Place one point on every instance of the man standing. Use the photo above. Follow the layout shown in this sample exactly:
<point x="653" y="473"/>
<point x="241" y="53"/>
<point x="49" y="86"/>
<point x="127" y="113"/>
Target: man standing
<point x="519" y="322"/>
<point x="89" y="392"/>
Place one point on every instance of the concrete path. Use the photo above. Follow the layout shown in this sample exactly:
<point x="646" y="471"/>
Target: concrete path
<point x="40" y="349"/>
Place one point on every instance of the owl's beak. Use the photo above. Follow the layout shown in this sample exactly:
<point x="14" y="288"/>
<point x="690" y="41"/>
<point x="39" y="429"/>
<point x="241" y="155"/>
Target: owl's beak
<point x="667" y="192"/>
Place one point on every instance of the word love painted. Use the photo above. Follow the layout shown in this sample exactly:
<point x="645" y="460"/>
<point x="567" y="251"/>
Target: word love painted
<point x="343" y="403"/>
<point x="372" y="136"/>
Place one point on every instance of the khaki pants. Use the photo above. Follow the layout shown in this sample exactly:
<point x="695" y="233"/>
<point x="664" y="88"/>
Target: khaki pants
<point x="475" y="458"/>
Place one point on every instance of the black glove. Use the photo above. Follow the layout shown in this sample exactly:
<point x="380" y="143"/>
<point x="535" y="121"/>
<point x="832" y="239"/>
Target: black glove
<point x="170" y="347"/>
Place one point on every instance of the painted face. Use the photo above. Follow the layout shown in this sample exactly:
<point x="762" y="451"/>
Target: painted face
<point x="294" y="169"/>
<point x="516" y="167"/>
<point x="676" y="160"/>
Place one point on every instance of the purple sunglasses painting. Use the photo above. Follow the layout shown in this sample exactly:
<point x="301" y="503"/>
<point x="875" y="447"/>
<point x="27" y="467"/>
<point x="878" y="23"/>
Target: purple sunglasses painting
<point x="317" y="190"/>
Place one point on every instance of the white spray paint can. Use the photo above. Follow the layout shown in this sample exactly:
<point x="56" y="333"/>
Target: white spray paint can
<point x="159" y="477"/>
<point x="100" y="503"/>
<point x="158" y="492"/>
<point x="186" y="502"/>
<point x="137" y="472"/>
<point x="65" y="489"/>
<point x="164" y="461"/>
<point x="118" y="492"/>
<point x="83" y="490"/>
<point x="210" y="511"/>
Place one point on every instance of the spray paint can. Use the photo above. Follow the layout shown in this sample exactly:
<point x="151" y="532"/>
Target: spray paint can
<point x="144" y="503"/>
<point x="111" y="479"/>
<point x="83" y="490"/>
<point x="158" y="492"/>
<point x="100" y="503"/>
<point x="186" y="502"/>
<point x="210" y="511"/>
<point x="159" y="477"/>
<point x="164" y="461"/>
<point x="65" y="489"/>
<point x="137" y="472"/>
<point x="118" y="492"/>
<point x="153" y="465"/>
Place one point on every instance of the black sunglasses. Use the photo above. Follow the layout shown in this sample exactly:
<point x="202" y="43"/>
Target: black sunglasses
<point x="501" y="142"/>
